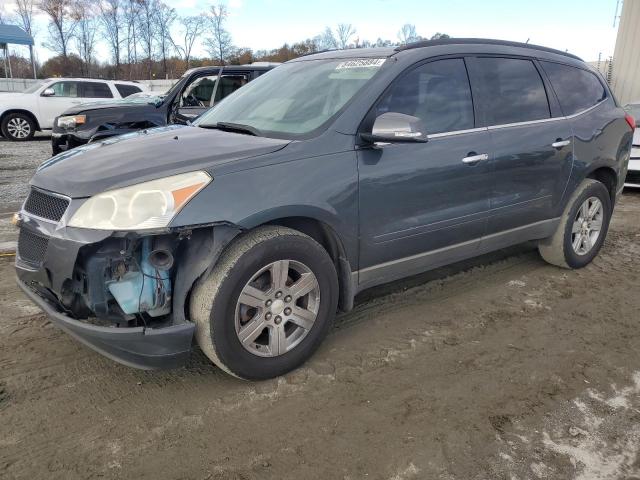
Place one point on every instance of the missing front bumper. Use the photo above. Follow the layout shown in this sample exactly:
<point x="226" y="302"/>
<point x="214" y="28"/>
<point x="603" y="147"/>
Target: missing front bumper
<point x="138" y="347"/>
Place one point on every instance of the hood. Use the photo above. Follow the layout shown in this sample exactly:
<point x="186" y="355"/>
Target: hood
<point x="116" y="103"/>
<point x="141" y="156"/>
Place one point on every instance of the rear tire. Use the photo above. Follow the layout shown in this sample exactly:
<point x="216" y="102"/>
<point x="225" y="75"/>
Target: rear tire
<point x="579" y="235"/>
<point x="275" y="309"/>
<point x="18" y="127"/>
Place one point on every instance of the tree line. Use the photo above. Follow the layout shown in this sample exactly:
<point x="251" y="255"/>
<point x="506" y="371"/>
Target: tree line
<point x="147" y="39"/>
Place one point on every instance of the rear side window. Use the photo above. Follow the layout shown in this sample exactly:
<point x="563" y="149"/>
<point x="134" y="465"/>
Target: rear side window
<point x="229" y="84"/>
<point x="513" y="90"/>
<point x="437" y="92"/>
<point x="577" y="89"/>
<point x="126" y="90"/>
<point x="96" y="90"/>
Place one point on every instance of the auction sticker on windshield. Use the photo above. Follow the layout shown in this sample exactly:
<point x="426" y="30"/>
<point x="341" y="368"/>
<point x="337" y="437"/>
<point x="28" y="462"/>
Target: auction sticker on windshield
<point x="360" y="63"/>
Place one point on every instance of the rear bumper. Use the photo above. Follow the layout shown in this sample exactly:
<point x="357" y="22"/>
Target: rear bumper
<point x="138" y="347"/>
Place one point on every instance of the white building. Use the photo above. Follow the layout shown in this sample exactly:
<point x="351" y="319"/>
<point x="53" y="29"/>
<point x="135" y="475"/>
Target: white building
<point x="625" y="78"/>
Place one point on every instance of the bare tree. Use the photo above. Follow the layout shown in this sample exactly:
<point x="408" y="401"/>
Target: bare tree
<point x="86" y="31"/>
<point x="147" y="29"/>
<point x="164" y="18"/>
<point x="407" y="34"/>
<point x="326" y="40"/>
<point x="192" y="27"/>
<point x="62" y="25"/>
<point x="219" y="45"/>
<point x="131" y="11"/>
<point x="111" y="19"/>
<point x="25" y="14"/>
<point x="344" y="32"/>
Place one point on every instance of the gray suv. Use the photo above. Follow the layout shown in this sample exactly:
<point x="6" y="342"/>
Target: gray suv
<point x="330" y="174"/>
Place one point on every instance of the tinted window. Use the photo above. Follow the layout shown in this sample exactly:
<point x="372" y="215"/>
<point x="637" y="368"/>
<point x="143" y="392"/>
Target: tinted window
<point x="65" y="89"/>
<point x="229" y="84"/>
<point x="126" y="90"/>
<point x="512" y="90"/>
<point x="437" y="92"/>
<point x="577" y="89"/>
<point x="96" y="90"/>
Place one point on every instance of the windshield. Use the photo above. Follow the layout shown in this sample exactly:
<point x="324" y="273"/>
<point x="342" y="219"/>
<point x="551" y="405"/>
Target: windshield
<point x="294" y="99"/>
<point x="33" y="87"/>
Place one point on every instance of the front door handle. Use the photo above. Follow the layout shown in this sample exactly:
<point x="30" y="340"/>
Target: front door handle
<point x="560" y="143"/>
<point x="472" y="159"/>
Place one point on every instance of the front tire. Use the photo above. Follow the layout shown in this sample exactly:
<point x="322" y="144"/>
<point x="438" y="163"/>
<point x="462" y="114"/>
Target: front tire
<point x="18" y="127"/>
<point x="582" y="229"/>
<point x="267" y="305"/>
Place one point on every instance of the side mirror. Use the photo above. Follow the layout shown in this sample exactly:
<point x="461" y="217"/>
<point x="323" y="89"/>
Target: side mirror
<point x="48" y="92"/>
<point x="392" y="127"/>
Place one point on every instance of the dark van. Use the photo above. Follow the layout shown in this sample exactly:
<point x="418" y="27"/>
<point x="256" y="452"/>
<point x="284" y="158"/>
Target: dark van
<point x="328" y="175"/>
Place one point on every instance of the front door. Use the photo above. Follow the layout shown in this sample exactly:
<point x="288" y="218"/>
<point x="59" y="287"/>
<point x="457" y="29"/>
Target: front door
<point x="66" y="94"/>
<point x="532" y="142"/>
<point x="425" y="204"/>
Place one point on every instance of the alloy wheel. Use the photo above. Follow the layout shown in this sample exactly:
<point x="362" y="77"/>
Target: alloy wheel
<point x="587" y="225"/>
<point x="277" y="308"/>
<point x="18" y="127"/>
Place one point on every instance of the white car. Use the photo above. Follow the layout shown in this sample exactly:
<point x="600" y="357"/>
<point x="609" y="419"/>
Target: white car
<point x="22" y="114"/>
<point x="633" y="174"/>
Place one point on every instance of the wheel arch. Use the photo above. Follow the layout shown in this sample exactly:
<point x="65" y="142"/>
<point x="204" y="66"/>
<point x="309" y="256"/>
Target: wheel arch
<point x="608" y="177"/>
<point x="329" y="239"/>
<point x="22" y="111"/>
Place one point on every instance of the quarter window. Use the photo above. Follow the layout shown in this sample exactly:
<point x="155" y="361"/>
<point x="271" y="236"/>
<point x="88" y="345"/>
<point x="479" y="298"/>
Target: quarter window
<point x="513" y="90"/>
<point x="438" y="93"/>
<point x="126" y="90"/>
<point x="577" y="89"/>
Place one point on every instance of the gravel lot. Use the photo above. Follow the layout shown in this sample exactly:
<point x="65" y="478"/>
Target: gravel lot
<point x="499" y="368"/>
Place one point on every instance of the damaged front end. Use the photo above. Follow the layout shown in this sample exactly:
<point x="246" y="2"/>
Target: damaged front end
<point x="125" y="295"/>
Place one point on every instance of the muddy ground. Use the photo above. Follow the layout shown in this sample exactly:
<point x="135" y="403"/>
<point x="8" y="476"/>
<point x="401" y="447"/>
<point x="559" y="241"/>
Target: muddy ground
<point x="500" y="368"/>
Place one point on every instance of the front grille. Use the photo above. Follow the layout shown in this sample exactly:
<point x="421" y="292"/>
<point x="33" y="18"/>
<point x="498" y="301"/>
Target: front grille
<point x="31" y="247"/>
<point x="45" y="205"/>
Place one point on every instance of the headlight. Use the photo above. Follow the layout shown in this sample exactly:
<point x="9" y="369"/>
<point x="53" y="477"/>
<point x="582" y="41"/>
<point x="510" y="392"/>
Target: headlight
<point x="71" y="121"/>
<point x="145" y="205"/>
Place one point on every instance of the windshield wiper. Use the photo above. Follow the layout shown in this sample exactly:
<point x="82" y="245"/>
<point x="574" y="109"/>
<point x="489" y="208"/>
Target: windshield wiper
<point x="234" y="127"/>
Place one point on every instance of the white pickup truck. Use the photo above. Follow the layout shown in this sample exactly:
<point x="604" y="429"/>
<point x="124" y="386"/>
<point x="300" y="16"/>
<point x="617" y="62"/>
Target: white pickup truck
<point x="22" y="114"/>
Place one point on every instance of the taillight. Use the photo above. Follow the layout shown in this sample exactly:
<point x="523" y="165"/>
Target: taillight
<point x="631" y="121"/>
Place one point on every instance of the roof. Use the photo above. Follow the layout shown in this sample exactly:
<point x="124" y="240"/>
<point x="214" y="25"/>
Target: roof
<point x="482" y="41"/>
<point x="390" y="51"/>
<point x="230" y="68"/>
<point x="14" y="35"/>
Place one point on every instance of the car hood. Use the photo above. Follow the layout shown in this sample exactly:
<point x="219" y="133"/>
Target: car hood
<point x="146" y="155"/>
<point x="110" y="104"/>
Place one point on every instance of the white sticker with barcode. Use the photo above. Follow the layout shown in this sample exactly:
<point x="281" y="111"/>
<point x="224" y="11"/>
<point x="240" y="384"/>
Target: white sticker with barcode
<point x="361" y="63"/>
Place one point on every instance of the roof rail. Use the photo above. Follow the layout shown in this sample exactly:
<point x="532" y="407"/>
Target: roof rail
<point x="481" y="41"/>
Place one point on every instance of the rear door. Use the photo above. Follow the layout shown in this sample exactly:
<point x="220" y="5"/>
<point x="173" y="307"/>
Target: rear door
<point x="66" y="95"/>
<point x="422" y="204"/>
<point x="532" y="141"/>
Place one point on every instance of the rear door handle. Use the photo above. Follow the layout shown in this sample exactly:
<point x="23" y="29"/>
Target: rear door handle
<point x="560" y="143"/>
<point x="473" y="159"/>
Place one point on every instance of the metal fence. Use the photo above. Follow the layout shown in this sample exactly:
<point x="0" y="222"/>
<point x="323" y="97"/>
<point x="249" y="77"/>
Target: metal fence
<point x="20" y="84"/>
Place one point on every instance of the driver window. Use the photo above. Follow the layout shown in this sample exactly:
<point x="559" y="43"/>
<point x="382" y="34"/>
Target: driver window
<point x="199" y="92"/>
<point x="438" y="93"/>
<point x="65" y="89"/>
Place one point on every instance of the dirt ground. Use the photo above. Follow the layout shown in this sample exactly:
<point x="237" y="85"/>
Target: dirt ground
<point x="499" y="368"/>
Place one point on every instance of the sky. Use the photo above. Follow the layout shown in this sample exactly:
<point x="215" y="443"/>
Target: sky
<point x="583" y="27"/>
